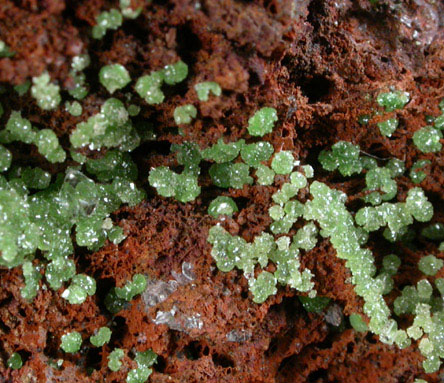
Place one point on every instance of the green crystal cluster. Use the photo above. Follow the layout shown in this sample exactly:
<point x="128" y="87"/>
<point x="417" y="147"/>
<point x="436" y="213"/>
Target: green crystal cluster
<point x="343" y="156"/>
<point x="149" y="86"/>
<point x="46" y="94"/>
<point x="110" y="128"/>
<point x="114" y="77"/>
<point x="145" y="361"/>
<point x="203" y="90"/>
<point x="101" y="337"/>
<point x="262" y="122"/>
<point x="20" y="129"/>
<point x="427" y="139"/>
<point x="393" y="100"/>
<point x="71" y="342"/>
<point x="114" y="359"/>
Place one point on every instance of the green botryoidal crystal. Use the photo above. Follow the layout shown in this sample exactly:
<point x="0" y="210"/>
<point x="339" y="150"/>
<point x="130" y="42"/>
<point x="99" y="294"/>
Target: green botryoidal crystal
<point x="435" y="231"/>
<point x="48" y="145"/>
<point x="144" y="360"/>
<point x="101" y="336"/>
<point x="32" y="277"/>
<point x="5" y="159"/>
<point x="175" y="73"/>
<point x="15" y="361"/>
<point x="18" y="129"/>
<point x="184" y="114"/>
<point x="306" y="237"/>
<point x="265" y="175"/>
<point x="184" y="187"/>
<point x="343" y="156"/>
<point x="80" y="62"/>
<point x="416" y="174"/>
<point x="314" y="305"/>
<point x="418" y="205"/>
<point x="36" y="178"/>
<point x="262" y="122"/>
<point x="393" y="100"/>
<point x="133" y="288"/>
<point x="189" y="155"/>
<point x="388" y="127"/>
<point x="149" y="88"/>
<point x="114" y="359"/>
<point x="74" y="108"/>
<point x="46" y="94"/>
<point x="283" y="162"/>
<point x="106" y="20"/>
<point x="114" y="77"/>
<point x="430" y="265"/>
<point x="396" y="167"/>
<point x="222" y="152"/>
<point x="81" y="287"/>
<point x="127" y="11"/>
<point x="23" y="88"/>
<point x="222" y="206"/>
<point x="227" y="175"/>
<point x="254" y="154"/>
<point x="263" y="287"/>
<point x="427" y="139"/>
<point x="71" y="342"/>
<point x="358" y="323"/>
<point x="203" y="90"/>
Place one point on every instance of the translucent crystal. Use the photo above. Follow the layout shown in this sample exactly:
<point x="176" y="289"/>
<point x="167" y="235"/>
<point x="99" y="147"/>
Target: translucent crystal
<point x="184" y="114"/>
<point x="19" y="129"/>
<point x="187" y="187"/>
<point x="71" y="342"/>
<point x="46" y="94"/>
<point x="80" y="62"/>
<point x="189" y="155"/>
<point x="314" y="305"/>
<point x="133" y="288"/>
<point x="73" y="108"/>
<point x="222" y="206"/>
<point x="393" y="100"/>
<point x="263" y="287"/>
<point x="149" y="88"/>
<point x="79" y="87"/>
<point x="265" y="175"/>
<point x="114" y="77"/>
<point x="396" y="167"/>
<point x="106" y="20"/>
<point x="15" y="361"/>
<point x="430" y="265"/>
<point x="203" y="90"/>
<point x="391" y="263"/>
<point x="380" y="179"/>
<point x="298" y="179"/>
<point x="358" y="323"/>
<point x="102" y="336"/>
<point x="416" y="174"/>
<point x="276" y="212"/>
<point x="434" y="231"/>
<point x="230" y="175"/>
<point x="127" y="11"/>
<point x="174" y="73"/>
<point x="32" y="277"/>
<point x="48" y="145"/>
<point x="36" y="178"/>
<point x="59" y="270"/>
<point x="5" y="159"/>
<point x="254" y="154"/>
<point x="262" y="122"/>
<point x="283" y="162"/>
<point x="427" y="139"/>
<point x="418" y="205"/>
<point x="306" y="237"/>
<point x="114" y="357"/>
<point x="343" y="156"/>
<point x="222" y="152"/>
<point x="388" y="127"/>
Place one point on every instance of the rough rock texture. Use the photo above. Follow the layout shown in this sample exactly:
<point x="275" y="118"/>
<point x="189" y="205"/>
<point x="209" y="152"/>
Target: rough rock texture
<point x="317" y="62"/>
